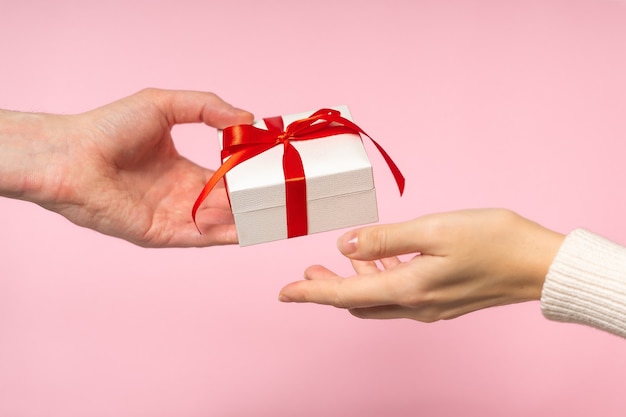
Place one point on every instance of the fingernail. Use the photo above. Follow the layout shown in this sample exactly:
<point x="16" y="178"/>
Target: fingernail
<point x="347" y="243"/>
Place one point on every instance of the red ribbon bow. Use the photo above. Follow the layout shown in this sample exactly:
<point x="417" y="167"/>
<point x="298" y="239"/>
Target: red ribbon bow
<point x="242" y="142"/>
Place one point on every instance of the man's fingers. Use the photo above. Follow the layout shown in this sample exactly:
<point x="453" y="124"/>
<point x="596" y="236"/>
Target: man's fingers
<point x="182" y="106"/>
<point x="216" y="234"/>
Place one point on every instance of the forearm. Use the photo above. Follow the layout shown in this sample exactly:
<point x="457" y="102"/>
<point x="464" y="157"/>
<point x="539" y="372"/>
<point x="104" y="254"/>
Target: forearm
<point x="586" y="283"/>
<point x="29" y="155"/>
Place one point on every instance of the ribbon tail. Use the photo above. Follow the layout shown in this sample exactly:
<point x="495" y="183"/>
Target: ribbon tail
<point x="392" y="165"/>
<point x="217" y="176"/>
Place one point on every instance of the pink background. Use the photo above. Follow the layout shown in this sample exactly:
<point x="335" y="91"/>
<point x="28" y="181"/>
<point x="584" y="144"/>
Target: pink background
<point x="519" y="104"/>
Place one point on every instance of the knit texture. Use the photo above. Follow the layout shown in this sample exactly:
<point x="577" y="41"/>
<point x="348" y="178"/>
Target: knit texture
<point x="586" y="283"/>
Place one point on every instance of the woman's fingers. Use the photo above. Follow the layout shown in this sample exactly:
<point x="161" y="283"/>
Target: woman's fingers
<point x="322" y="286"/>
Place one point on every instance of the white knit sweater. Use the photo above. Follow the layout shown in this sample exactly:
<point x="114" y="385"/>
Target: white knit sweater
<point x="586" y="283"/>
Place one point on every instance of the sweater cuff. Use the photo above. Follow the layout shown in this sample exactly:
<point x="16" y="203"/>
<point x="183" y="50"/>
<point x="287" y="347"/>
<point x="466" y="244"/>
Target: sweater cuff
<point x="586" y="283"/>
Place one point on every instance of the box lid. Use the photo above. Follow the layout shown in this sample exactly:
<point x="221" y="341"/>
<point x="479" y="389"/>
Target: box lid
<point x="334" y="165"/>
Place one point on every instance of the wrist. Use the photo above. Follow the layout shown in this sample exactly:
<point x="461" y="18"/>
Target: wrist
<point x="523" y="250"/>
<point x="542" y="246"/>
<point x="30" y="153"/>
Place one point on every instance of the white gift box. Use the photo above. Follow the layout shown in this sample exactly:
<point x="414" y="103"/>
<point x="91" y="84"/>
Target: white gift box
<point x="339" y="186"/>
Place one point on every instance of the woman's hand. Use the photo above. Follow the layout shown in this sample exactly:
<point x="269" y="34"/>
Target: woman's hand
<point x="462" y="261"/>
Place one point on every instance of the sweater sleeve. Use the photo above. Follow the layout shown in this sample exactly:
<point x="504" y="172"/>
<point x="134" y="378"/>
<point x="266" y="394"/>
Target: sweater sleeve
<point x="586" y="283"/>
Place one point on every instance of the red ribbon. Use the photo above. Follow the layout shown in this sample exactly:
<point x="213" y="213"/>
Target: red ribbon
<point x="242" y="142"/>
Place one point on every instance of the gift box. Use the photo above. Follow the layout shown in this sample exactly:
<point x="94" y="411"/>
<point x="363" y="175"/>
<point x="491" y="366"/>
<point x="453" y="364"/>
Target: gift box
<point x="312" y="176"/>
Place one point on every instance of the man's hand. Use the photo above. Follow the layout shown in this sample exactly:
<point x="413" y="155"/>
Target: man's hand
<point x="115" y="169"/>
